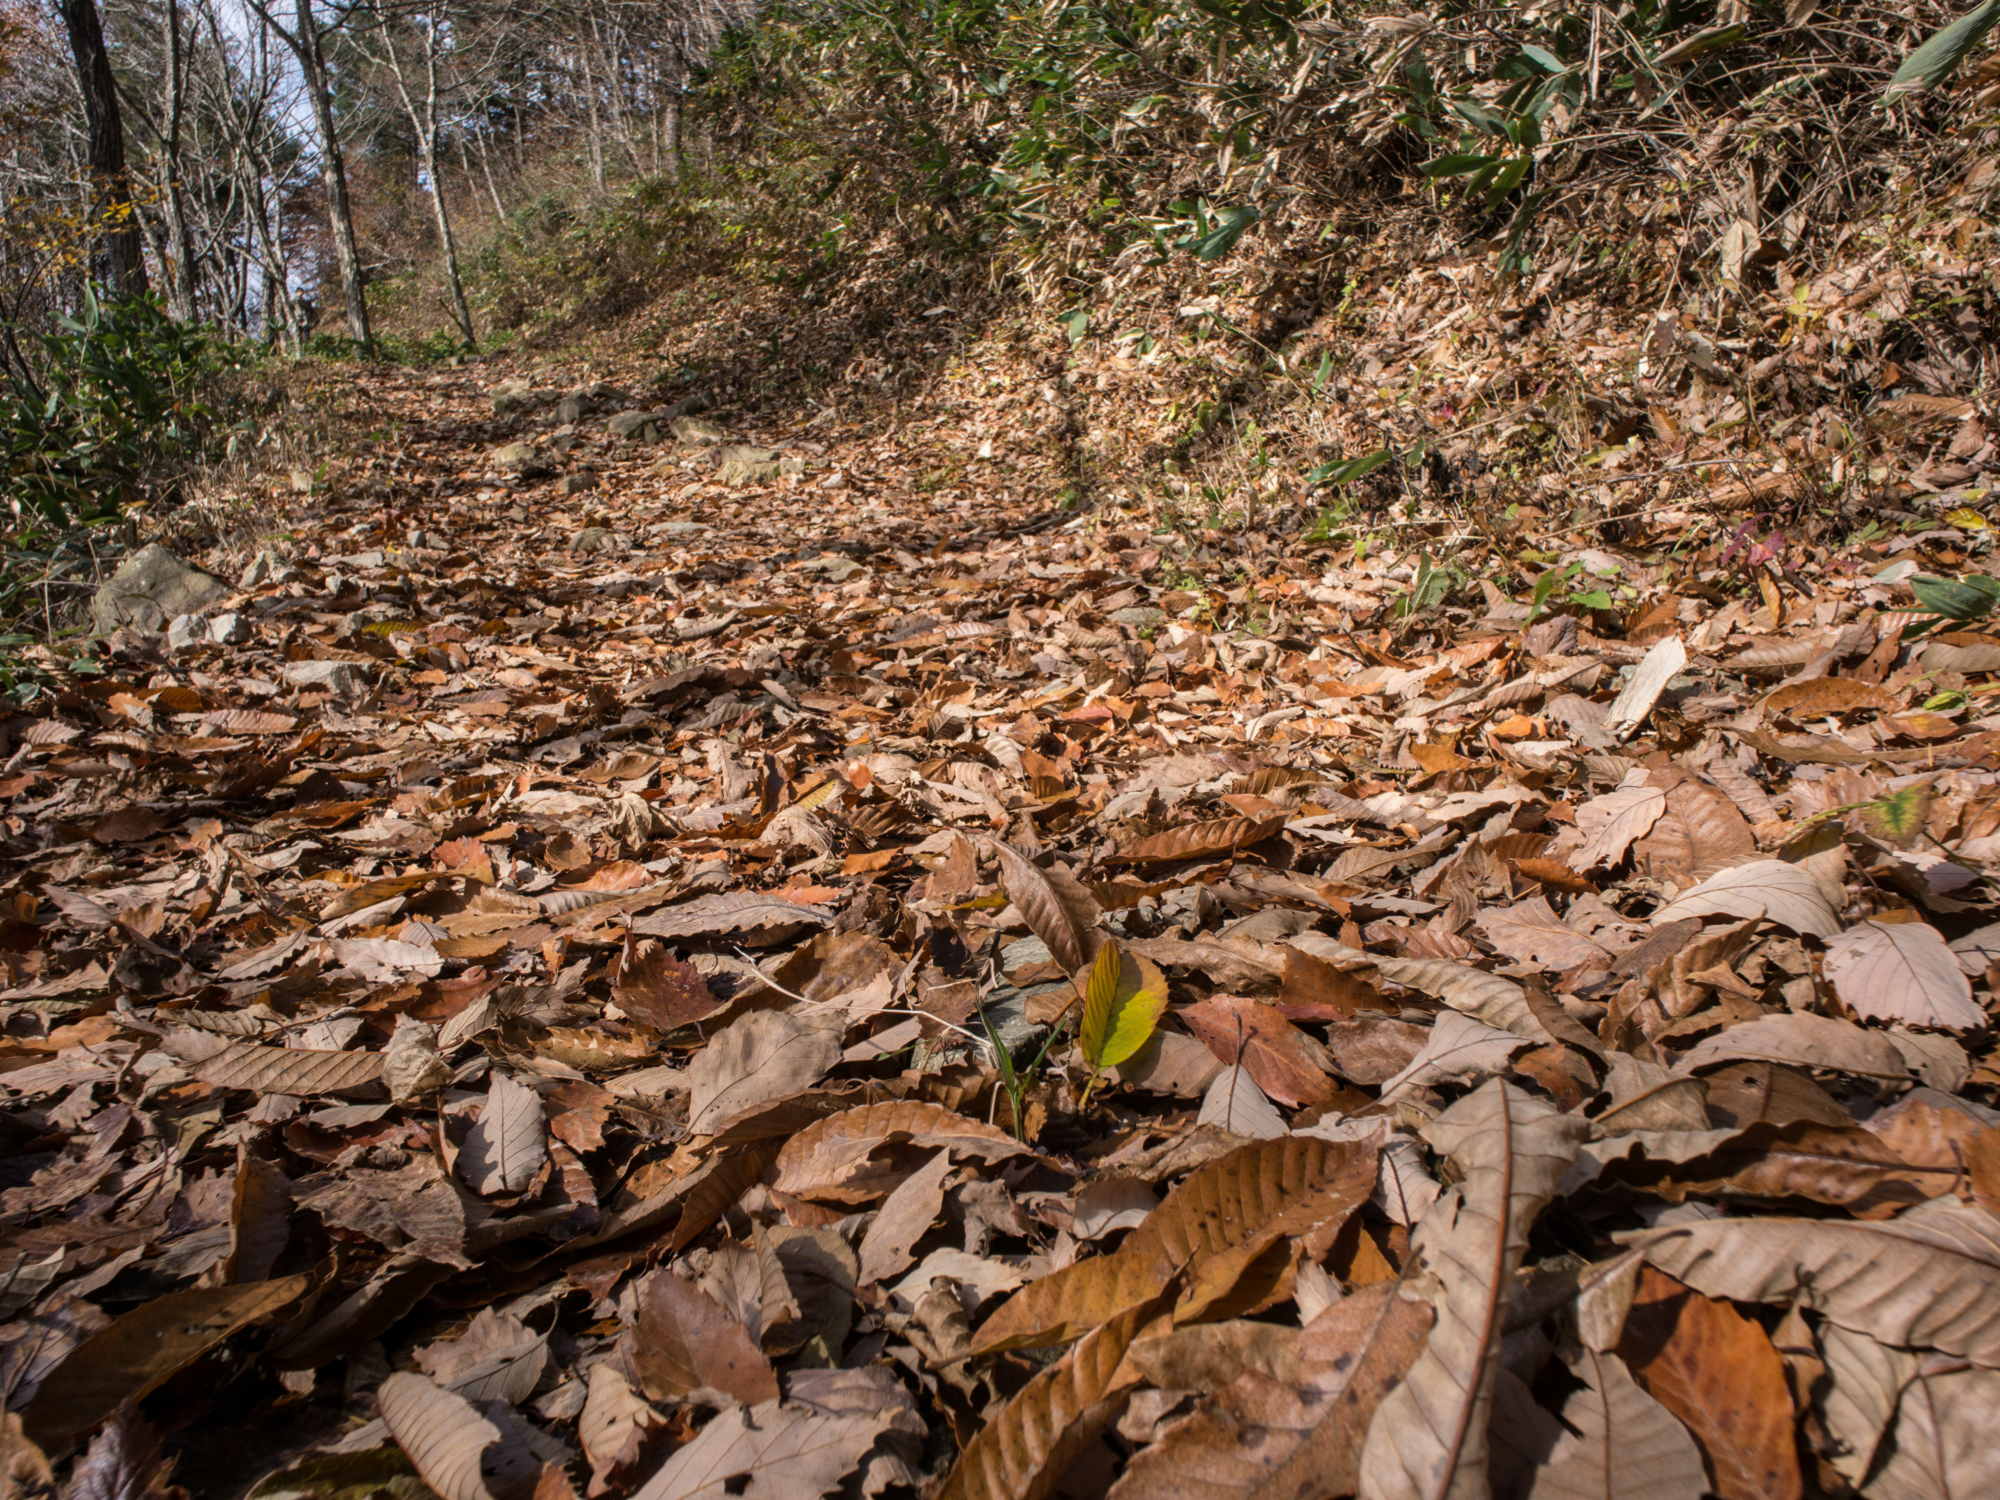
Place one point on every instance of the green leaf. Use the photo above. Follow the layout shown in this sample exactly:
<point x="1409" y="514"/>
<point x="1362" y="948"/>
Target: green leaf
<point x="1457" y="164"/>
<point x="1592" y="599"/>
<point x="1939" y="56"/>
<point x="1900" y="815"/>
<point x="1348" y="470"/>
<point x="1507" y="179"/>
<point x="1547" y="584"/>
<point x="1222" y="234"/>
<point x="1480" y="116"/>
<point x="1957" y="598"/>
<point x="1076" y="324"/>
<point x="1122" y="1002"/>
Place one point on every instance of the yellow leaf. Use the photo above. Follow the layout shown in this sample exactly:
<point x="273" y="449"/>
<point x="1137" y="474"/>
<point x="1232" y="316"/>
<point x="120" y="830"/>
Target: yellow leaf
<point x="1122" y="1001"/>
<point x="1965" y="518"/>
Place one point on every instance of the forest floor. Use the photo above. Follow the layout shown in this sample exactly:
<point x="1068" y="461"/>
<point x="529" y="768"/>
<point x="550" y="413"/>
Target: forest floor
<point x="557" y="1006"/>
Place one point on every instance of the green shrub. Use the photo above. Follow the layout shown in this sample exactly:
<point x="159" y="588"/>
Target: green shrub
<point x="115" y="404"/>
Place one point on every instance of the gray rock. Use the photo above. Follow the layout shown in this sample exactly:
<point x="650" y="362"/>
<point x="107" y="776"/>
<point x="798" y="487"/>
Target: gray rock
<point x="268" y="566"/>
<point x="422" y="540"/>
<point x="635" y="426"/>
<point x="523" y="459"/>
<point x="1140" y="615"/>
<point x="517" y="395"/>
<point x="697" y="432"/>
<point x="740" y="463"/>
<point x="578" y="484"/>
<point x="595" y="539"/>
<point x="184" y="631"/>
<point x="833" y="567"/>
<point x="570" y="409"/>
<point x="231" y="629"/>
<point x="150" y="588"/>
<point x="341" y="678"/>
<point x="681" y="528"/>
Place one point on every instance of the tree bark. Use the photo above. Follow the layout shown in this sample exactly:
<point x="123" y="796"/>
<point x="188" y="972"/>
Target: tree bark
<point x="333" y="177"/>
<point x="303" y="43"/>
<point x="180" y="244"/>
<point x="423" y="117"/>
<point x="119" y="261"/>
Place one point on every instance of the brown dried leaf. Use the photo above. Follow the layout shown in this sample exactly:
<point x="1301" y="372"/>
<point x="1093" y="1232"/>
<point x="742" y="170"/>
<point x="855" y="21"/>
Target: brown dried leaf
<point x="1428" y="1437"/>
<point x="1621" y="1443"/>
<point x="1902" y="972"/>
<point x="774" y="1451"/>
<point x="460" y="1454"/>
<point x="832" y="1157"/>
<point x="289" y="1070"/>
<point x="732" y="914"/>
<point x="1288" y="1065"/>
<point x="658" y="990"/>
<point x="683" y="1342"/>
<point x="1199" y="840"/>
<point x="1021" y="1453"/>
<point x="1289" y="1425"/>
<point x="760" y="1057"/>
<point x="615" y="1427"/>
<point x="508" y="1144"/>
<point x="1929" y="1279"/>
<point x="142" y="1350"/>
<point x="1766" y="889"/>
<point x="1055" y="905"/>
<point x="1214" y="1226"/>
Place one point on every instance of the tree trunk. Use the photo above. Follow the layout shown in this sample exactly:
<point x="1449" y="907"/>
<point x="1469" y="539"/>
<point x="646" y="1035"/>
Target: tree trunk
<point x="119" y="260"/>
<point x="180" y="245"/>
<point x="332" y="172"/>
<point x="422" y="114"/>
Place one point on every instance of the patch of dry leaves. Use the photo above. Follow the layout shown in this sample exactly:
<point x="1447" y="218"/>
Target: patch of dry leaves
<point x="561" y="1062"/>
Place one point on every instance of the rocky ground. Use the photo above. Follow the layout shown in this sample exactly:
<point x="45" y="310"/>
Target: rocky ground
<point x="617" y="952"/>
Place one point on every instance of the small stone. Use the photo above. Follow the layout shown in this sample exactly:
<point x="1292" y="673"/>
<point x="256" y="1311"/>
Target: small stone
<point x="833" y="567"/>
<point x="697" y="432"/>
<point x="149" y="589"/>
<point x="741" y="463"/>
<point x="517" y="395"/>
<point x="681" y="528"/>
<point x="595" y="539"/>
<point x="231" y="629"/>
<point x="184" y="631"/>
<point x="420" y="539"/>
<point x="343" y="679"/>
<point x="569" y="410"/>
<point x="578" y="484"/>
<point x="1140" y="615"/>
<point x="519" y="458"/>
<point x="635" y="426"/>
<point x="268" y="566"/>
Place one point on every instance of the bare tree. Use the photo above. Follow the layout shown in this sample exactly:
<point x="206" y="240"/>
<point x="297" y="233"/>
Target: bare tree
<point x="120" y="260"/>
<point x="417" y="89"/>
<point x="305" y="39"/>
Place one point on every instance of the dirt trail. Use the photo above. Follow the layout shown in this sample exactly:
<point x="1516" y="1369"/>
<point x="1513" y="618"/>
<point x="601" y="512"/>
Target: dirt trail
<point x="545" y="960"/>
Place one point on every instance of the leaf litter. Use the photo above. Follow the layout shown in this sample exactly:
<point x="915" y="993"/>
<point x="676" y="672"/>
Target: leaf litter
<point x="955" y="1013"/>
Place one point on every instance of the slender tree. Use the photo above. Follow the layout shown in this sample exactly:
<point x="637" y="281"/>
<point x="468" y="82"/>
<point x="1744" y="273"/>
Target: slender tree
<point x="304" y="39"/>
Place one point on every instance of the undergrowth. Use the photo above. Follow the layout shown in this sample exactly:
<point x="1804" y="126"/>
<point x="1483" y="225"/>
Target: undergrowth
<point x="1490" y="265"/>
